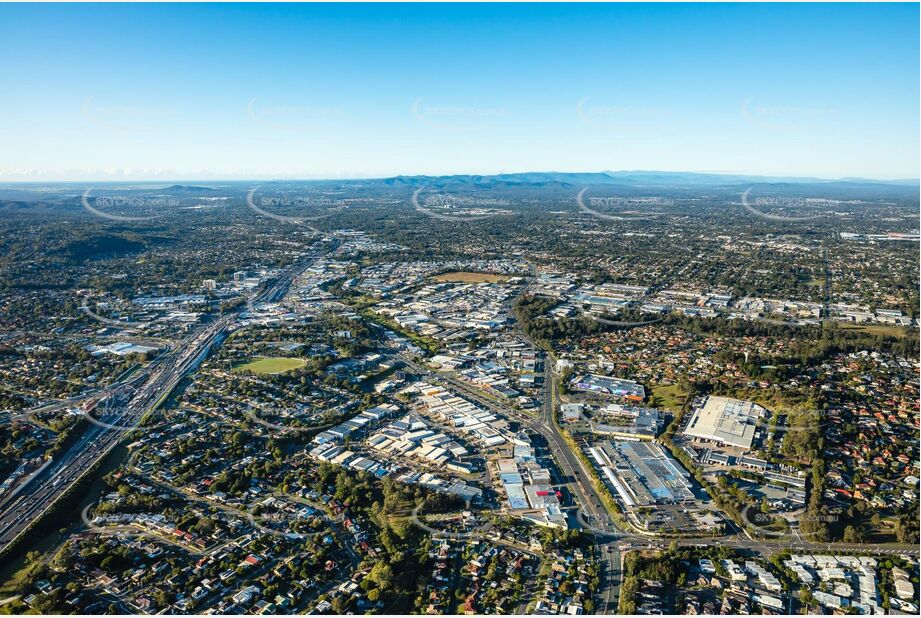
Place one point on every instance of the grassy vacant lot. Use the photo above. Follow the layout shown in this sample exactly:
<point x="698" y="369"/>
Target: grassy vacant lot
<point x="886" y="330"/>
<point x="667" y="397"/>
<point x="269" y="365"/>
<point x="465" y="277"/>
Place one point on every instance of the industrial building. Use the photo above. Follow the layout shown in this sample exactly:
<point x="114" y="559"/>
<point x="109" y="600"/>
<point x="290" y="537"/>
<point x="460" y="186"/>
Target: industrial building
<point x="455" y="411"/>
<point x="527" y="488"/>
<point x="626" y="422"/>
<point x="642" y="474"/>
<point x="605" y="385"/>
<point x="726" y="421"/>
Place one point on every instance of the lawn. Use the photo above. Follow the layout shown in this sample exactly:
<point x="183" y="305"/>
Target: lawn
<point x="885" y="330"/>
<point x="667" y="397"/>
<point x="467" y="277"/>
<point x="270" y="365"/>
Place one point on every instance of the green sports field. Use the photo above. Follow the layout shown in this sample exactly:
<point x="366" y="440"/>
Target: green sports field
<point x="270" y="365"/>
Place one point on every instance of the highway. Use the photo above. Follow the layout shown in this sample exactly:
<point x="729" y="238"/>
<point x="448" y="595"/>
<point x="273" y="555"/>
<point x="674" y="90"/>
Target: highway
<point x="157" y="380"/>
<point x="610" y="553"/>
<point x="569" y="463"/>
<point x="592" y="504"/>
<point x="97" y="441"/>
<point x="162" y="375"/>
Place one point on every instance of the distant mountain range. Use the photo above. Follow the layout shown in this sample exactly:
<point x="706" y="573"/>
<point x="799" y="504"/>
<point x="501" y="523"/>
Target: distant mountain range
<point x="188" y="190"/>
<point x="534" y="185"/>
<point x="678" y="184"/>
<point x="637" y="178"/>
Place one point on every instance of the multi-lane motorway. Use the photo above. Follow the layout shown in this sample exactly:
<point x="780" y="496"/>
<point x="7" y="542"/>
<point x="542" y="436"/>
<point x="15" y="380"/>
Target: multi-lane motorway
<point x="98" y="440"/>
<point x="160" y="377"/>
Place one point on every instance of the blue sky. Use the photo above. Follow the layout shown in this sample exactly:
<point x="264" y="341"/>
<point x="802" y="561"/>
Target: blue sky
<point x="317" y="91"/>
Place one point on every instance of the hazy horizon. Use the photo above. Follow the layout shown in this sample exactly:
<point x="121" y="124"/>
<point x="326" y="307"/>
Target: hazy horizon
<point x="139" y="92"/>
<point x="187" y="179"/>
